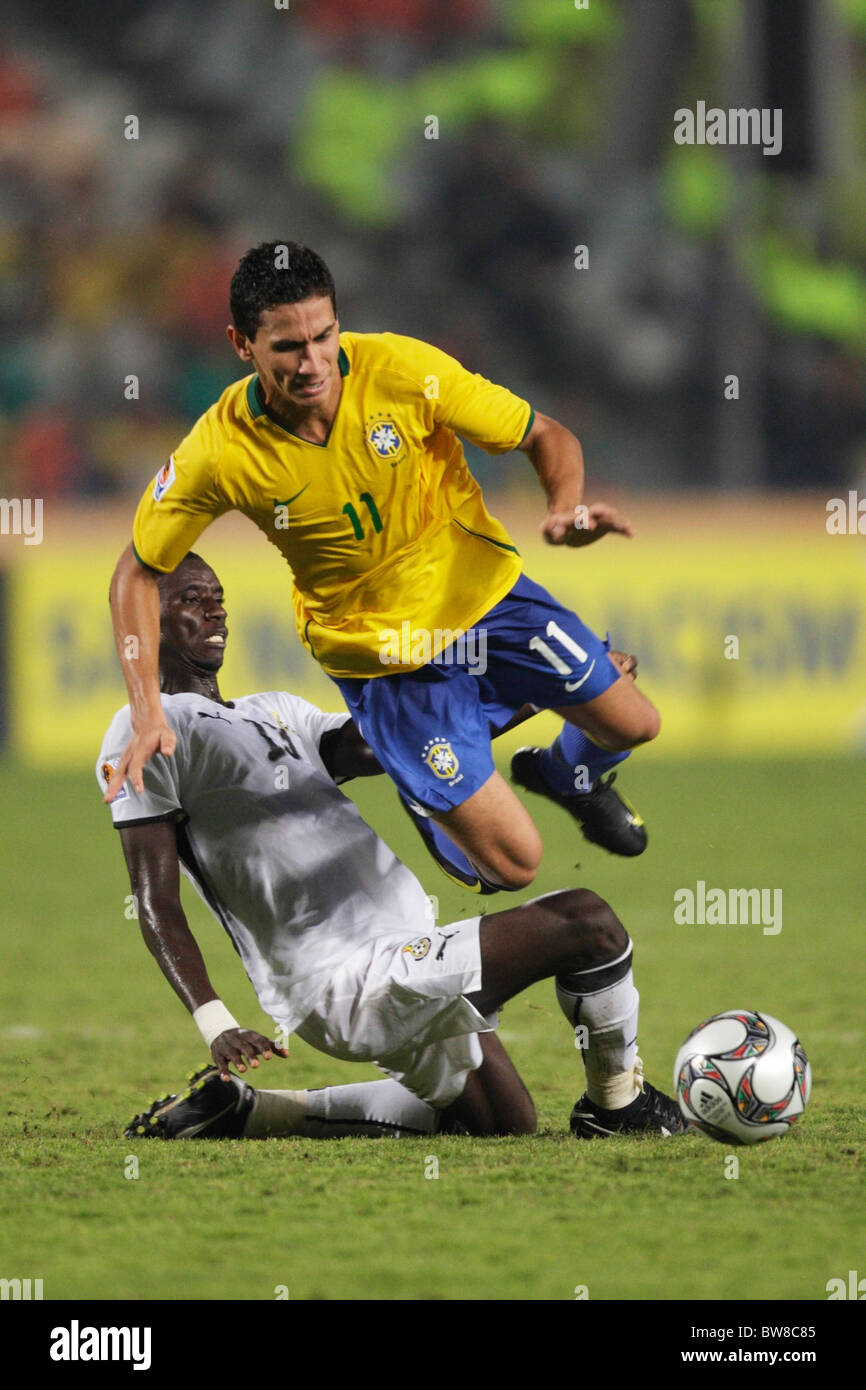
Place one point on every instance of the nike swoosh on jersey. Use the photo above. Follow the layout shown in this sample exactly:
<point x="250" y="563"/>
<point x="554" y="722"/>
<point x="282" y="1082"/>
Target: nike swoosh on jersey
<point x="575" y="685"/>
<point x="292" y="499"/>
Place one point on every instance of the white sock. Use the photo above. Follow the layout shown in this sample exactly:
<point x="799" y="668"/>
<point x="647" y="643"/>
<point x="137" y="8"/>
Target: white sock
<point x="371" y="1108"/>
<point x="604" y="1001"/>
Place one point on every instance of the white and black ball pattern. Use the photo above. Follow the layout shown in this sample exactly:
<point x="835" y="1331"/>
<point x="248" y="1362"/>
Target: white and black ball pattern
<point x="742" y="1077"/>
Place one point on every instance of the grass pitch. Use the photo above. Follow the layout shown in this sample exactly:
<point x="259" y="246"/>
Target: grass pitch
<point x="90" y="1033"/>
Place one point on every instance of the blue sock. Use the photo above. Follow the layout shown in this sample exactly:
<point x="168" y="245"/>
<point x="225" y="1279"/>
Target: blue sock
<point x="572" y="757"/>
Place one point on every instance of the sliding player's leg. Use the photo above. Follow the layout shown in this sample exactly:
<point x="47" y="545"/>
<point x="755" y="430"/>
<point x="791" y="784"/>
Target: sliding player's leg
<point x="494" y="1099"/>
<point x="451" y="1059"/>
<point x="398" y="1000"/>
<point x="210" y="1108"/>
<point x="575" y="937"/>
<point x="424" y="1008"/>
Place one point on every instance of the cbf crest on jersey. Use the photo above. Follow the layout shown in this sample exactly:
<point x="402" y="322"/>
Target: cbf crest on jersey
<point x="384" y="440"/>
<point x="441" y="758"/>
<point x="164" y="479"/>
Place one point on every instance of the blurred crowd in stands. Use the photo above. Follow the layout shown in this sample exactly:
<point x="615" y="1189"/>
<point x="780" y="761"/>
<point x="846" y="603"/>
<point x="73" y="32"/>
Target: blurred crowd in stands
<point x="116" y="252"/>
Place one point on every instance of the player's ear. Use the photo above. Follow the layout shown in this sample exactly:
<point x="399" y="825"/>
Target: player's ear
<point x="239" y="342"/>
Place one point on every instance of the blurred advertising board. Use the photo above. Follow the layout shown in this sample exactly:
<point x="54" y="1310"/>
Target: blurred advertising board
<point x="749" y="622"/>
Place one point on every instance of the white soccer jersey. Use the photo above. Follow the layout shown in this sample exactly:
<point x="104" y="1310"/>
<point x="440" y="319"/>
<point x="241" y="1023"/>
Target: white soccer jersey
<point x="281" y="857"/>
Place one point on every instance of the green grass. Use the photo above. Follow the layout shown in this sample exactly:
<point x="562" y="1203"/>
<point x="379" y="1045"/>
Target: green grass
<point x="89" y="1032"/>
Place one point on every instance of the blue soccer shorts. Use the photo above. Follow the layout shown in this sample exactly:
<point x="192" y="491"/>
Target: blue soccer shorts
<point x="431" y="728"/>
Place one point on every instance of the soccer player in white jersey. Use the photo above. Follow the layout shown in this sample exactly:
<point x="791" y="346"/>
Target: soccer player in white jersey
<point x="335" y="933"/>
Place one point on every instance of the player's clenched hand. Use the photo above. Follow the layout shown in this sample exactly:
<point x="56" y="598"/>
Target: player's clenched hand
<point x="161" y="738"/>
<point x="587" y="524"/>
<point x="625" y="664"/>
<point x="242" y="1045"/>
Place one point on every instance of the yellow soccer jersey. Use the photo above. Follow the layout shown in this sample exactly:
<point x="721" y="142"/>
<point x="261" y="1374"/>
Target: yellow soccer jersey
<point x="381" y="525"/>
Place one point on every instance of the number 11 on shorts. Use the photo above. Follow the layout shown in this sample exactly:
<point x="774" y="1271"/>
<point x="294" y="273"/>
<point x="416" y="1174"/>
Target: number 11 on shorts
<point x="538" y="644"/>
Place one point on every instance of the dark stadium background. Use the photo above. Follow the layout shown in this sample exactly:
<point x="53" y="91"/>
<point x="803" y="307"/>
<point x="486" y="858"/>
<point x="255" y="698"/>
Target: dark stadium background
<point x="556" y="129"/>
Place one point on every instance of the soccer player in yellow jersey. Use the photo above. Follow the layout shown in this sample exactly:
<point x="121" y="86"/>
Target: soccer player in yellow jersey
<point x="343" y="449"/>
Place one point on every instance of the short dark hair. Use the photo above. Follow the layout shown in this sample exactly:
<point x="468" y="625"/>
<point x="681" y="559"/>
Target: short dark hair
<point x="276" y="272"/>
<point x="165" y="575"/>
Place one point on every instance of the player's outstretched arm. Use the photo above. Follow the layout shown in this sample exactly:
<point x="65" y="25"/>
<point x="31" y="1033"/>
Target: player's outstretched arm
<point x="134" y="601"/>
<point x="154" y="875"/>
<point x="557" y="458"/>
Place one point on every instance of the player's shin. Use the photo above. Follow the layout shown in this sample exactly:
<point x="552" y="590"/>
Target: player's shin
<point x="371" y="1108"/>
<point x="601" y="1004"/>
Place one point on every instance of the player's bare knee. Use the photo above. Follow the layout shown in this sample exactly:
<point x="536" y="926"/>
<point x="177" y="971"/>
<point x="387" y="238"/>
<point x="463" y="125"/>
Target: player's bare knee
<point x="595" y="928"/>
<point x="505" y="874"/>
<point x="519" y="875"/>
<point x="643" y="730"/>
<point x="652" y="724"/>
<point x="602" y="933"/>
<point x="515" y="866"/>
<point x="646" y="725"/>
<point x="642" y="726"/>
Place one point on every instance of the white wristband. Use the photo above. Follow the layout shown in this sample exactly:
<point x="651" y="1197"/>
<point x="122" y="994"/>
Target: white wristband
<point x="213" y="1018"/>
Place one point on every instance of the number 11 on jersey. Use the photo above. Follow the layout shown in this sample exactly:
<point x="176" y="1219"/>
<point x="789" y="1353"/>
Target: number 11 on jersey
<point x="350" y="512"/>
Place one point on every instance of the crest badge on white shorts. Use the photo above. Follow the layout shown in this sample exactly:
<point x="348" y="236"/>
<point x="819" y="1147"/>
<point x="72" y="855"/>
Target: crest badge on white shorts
<point x="418" y="948"/>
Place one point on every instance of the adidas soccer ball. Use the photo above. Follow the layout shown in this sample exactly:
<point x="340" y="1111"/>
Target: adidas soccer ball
<point x="741" y="1077"/>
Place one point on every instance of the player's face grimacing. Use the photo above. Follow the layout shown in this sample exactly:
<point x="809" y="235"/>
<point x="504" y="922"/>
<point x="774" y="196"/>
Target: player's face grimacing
<point x="193" y="630"/>
<point x="295" y="353"/>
